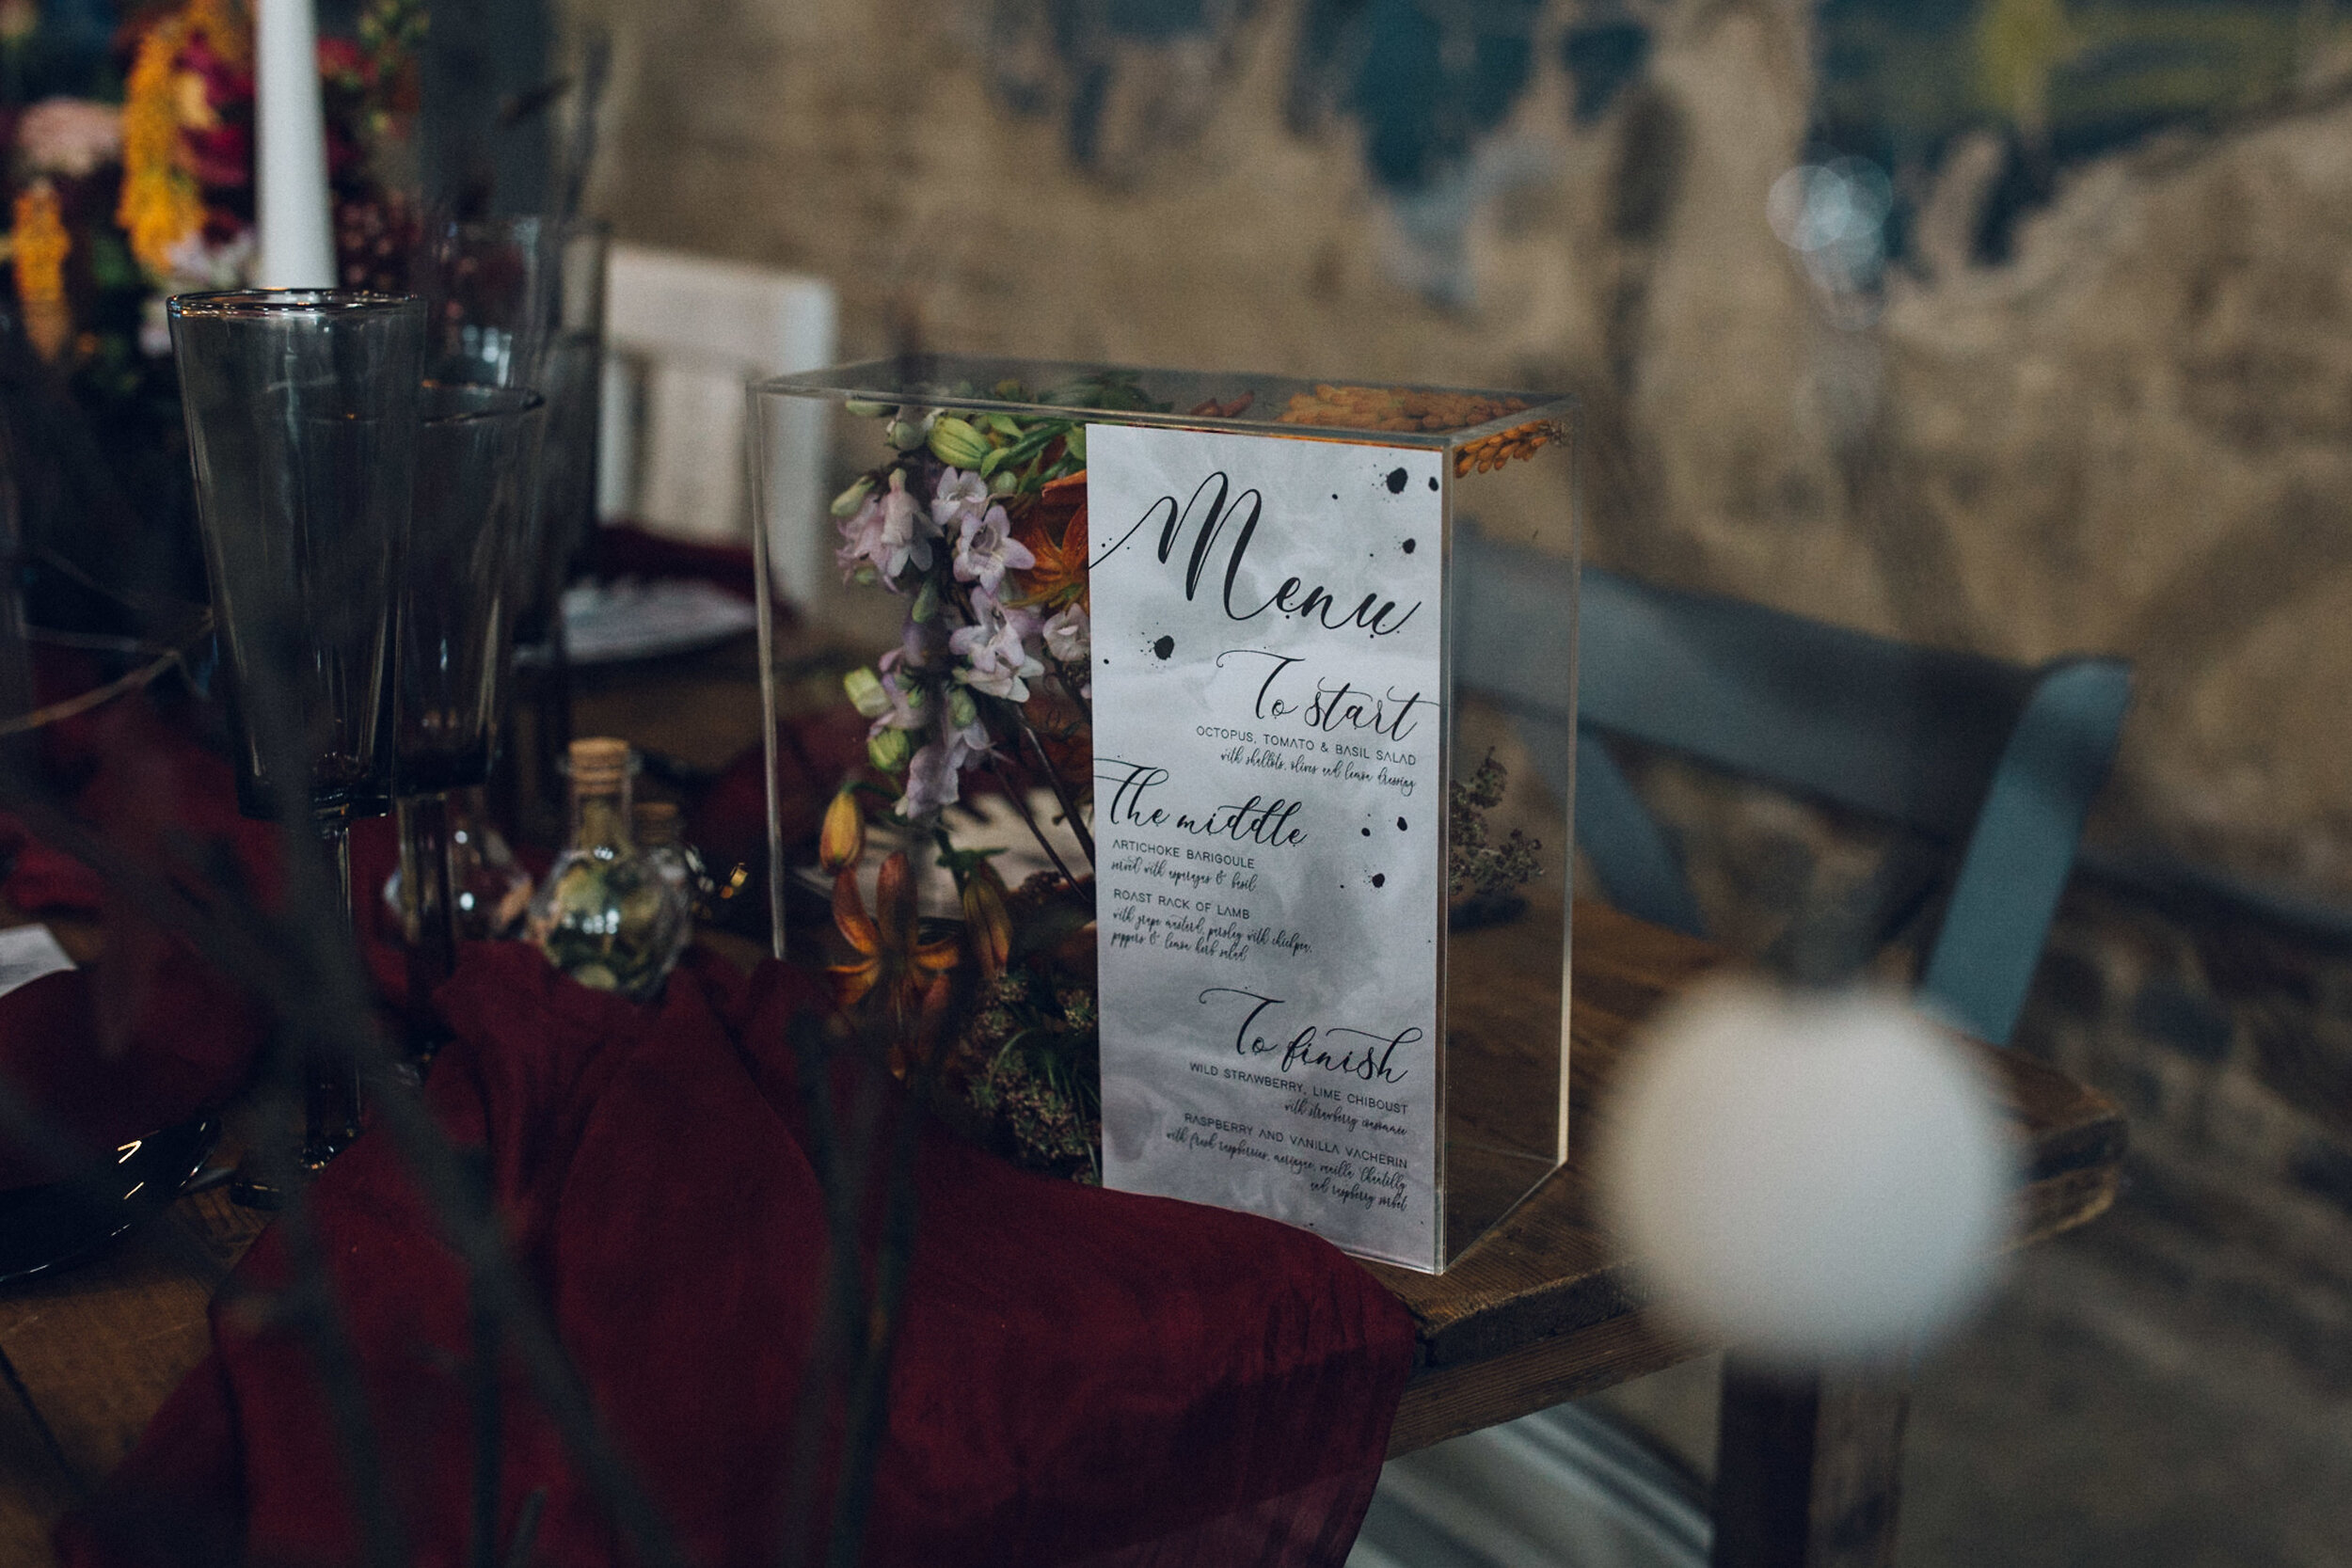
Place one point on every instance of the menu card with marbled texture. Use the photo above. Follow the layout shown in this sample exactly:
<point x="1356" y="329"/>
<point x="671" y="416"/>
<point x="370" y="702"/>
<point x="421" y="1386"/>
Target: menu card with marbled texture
<point x="1269" y="813"/>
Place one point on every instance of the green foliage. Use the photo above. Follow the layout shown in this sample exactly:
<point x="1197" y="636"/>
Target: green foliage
<point x="1040" y="1082"/>
<point x="1474" y="863"/>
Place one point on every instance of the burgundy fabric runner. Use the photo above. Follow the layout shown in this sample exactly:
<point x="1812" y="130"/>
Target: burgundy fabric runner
<point x="1079" y="1376"/>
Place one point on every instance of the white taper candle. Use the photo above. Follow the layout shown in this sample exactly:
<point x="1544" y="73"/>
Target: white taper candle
<point x="297" y="237"/>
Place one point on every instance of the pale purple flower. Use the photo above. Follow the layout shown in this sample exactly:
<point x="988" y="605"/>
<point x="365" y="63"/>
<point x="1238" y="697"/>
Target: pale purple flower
<point x="966" y="744"/>
<point x="889" y="531"/>
<point x="958" y="499"/>
<point x="905" y="709"/>
<point x="862" y="541"/>
<point x="935" y="773"/>
<point x="71" y="137"/>
<point x="1068" y="635"/>
<point x="931" y="783"/>
<point x="919" y="643"/>
<point x="988" y="549"/>
<point x="907" y="530"/>
<point x="997" y="646"/>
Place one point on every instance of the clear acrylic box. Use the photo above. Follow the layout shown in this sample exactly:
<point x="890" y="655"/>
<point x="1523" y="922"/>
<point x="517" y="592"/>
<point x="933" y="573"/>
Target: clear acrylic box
<point x="1331" y="794"/>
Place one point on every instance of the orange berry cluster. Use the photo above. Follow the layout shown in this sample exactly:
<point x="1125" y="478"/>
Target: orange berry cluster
<point x="1398" y="408"/>
<point x="1492" y="453"/>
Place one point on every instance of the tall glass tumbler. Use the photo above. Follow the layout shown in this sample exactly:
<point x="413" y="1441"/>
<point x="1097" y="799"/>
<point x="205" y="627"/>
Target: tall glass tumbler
<point x="573" y="379"/>
<point x="478" y="452"/>
<point x="489" y="286"/>
<point x="491" y="290"/>
<point x="302" y="422"/>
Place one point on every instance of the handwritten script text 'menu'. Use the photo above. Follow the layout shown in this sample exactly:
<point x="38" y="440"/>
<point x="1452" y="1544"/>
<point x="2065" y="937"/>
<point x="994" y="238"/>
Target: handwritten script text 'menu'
<point x="1212" y="507"/>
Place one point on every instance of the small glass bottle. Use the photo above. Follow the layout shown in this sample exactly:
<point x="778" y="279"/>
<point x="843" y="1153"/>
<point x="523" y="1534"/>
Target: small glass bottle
<point x="606" y="915"/>
<point x="661" y="838"/>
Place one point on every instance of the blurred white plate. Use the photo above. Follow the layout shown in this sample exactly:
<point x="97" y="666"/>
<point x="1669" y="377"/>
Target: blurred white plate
<point x="607" y="623"/>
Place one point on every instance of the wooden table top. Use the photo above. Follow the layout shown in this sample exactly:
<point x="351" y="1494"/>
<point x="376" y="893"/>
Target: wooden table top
<point x="1544" y="1309"/>
<point x="1539" y="1312"/>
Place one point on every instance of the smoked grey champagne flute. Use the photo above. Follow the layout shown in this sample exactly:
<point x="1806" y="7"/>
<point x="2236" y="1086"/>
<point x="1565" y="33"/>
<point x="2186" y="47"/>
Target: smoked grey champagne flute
<point x="477" y="475"/>
<point x="302" y="409"/>
<point x="491" y="292"/>
<point x="572" y="376"/>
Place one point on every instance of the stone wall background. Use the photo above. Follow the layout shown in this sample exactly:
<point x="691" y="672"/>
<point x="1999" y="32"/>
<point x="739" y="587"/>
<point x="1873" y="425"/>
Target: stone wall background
<point x="2132" y="434"/>
<point x="2129" y="436"/>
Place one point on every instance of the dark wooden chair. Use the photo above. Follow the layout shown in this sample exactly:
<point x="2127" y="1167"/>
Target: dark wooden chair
<point x="1990" y="767"/>
<point x="1990" y="770"/>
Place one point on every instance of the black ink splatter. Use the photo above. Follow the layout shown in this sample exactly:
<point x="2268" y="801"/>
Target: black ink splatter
<point x="1433" y="482"/>
<point x="1380" y="880"/>
<point x="1367" y="833"/>
<point x="1164" y="648"/>
<point x="1409" y="547"/>
<point x="1335" y="495"/>
<point x="1396" y="481"/>
<point x="1400" y="824"/>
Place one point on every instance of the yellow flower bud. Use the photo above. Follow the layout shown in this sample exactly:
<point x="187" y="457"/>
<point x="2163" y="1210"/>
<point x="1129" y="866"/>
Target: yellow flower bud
<point x="986" y="921"/>
<point x="866" y="693"/>
<point x="842" y="841"/>
<point x="956" y="443"/>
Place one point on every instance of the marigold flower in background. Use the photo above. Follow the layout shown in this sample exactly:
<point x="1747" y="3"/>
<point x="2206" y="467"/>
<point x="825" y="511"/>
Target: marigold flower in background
<point x="37" y="249"/>
<point x="160" y="205"/>
<point x="40" y="245"/>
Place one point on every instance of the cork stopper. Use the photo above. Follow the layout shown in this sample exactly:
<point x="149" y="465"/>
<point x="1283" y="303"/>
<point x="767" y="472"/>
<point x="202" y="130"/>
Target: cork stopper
<point x="655" y="822"/>
<point x="599" y="762"/>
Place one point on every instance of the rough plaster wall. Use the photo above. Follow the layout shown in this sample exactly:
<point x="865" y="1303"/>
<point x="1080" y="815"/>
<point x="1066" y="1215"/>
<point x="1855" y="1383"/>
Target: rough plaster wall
<point x="2136" y="436"/>
<point x="2131" y="437"/>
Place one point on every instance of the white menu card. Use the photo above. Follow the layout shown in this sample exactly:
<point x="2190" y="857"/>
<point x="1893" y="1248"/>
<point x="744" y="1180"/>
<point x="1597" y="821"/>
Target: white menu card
<point x="1267" y="620"/>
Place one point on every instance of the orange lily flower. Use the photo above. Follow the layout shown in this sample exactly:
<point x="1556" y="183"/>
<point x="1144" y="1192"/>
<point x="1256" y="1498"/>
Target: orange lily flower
<point x="986" y="920"/>
<point x="911" y="973"/>
<point x="1055" y="528"/>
